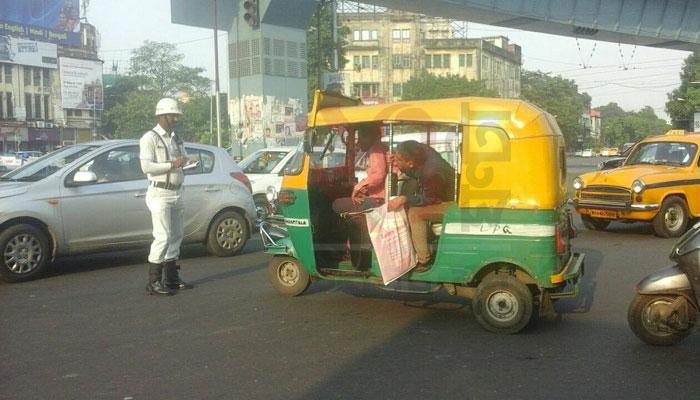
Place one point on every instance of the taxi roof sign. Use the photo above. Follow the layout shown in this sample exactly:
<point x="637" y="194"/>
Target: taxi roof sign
<point x="679" y="132"/>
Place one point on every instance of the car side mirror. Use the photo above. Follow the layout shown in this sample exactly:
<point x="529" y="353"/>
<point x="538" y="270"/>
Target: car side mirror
<point x="82" y="177"/>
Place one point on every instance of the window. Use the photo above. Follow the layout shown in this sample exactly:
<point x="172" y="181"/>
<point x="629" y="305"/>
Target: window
<point x="446" y="60"/>
<point x="117" y="165"/>
<point x="28" y="106"/>
<point x="437" y="60"/>
<point x="397" y="89"/>
<point x="365" y="35"/>
<point x="428" y="61"/>
<point x="470" y="60"/>
<point x="365" y="89"/>
<point x="27" y="76"/>
<point x="356" y="35"/>
<point x="365" y="62"/>
<point x="461" y="60"/>
<point x="37" y="107"/>
<point x="401" y="61"/>
<point x="205" y="158"/>
<point x="8" y="73"/>
<point x="405" y="35"/>
<point x="375" y="62"/>
<point x="396" y="35"/>
<point x="2" y="114"/>
<point x="10" y="108"/>
<point x="46" y="107"/>
<point x="47" y="81"/>
<point x="37" y="76"/>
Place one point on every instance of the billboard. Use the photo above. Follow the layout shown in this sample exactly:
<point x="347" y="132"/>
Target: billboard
<point x="55" y="21"/>
<point x="28" y="52"/>
<point x="81" y="83"/>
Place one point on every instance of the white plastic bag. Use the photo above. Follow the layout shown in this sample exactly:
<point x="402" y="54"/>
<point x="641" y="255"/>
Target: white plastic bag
<point x="392" y="243"/>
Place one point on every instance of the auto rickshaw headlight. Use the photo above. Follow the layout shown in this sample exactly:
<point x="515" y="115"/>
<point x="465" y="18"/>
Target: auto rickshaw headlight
<point x="638" y="186"/>
<point x="578" y="183"/>
<point x="271" y="194"/>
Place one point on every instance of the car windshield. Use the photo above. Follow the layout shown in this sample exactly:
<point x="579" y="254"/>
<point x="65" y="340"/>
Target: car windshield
<point x="48" y="164"/>
<point x="663" y="153"/>
<point x="262" y="162"/>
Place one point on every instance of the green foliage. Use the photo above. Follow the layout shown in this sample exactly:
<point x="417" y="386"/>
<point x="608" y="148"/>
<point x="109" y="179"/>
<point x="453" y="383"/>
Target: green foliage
<point x="559" y="97"/>
<point x="156" y="71"/>
<point x="620" y="126"/>
<point x="684" y="101"/>
<point x="428" y="86"/>
<point x="322" y="59"/>
<point x="159" y="66"/>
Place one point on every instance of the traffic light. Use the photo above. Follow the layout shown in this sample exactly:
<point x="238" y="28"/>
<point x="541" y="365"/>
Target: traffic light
<point x="252" y="12"/>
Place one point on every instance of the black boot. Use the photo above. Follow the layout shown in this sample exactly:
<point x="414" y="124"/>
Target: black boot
<point x="172" y="277"/>
<point x="155" y="284"/>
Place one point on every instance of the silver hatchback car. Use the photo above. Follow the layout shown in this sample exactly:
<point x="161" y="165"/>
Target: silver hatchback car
<point x="49" y="209"/>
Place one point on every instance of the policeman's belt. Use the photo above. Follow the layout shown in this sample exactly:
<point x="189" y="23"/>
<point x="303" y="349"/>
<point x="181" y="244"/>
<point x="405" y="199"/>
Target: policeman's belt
<point x="165" y="185"/>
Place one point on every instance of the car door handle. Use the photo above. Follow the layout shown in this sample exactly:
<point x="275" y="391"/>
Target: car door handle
<point x="140" y="194"/>
<point x="212" y="189"/>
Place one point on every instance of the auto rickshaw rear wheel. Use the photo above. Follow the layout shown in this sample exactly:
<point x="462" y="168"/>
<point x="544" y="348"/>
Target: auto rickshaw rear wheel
<point x="503" y="304"/>
<point x="594" y="224"/>
<point x="288" y="276"/>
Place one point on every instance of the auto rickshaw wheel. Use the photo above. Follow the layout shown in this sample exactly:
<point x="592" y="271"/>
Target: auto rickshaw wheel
<point x="288" y="276"/>
<point x="503" y="304"/>
<point x="672" y="219"/>
<point x="594" y="224"/>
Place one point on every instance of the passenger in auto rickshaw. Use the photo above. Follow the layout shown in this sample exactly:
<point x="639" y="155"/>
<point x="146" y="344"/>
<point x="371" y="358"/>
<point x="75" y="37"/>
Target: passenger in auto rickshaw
<point x="366" y="194"/>
<point x="435" y="179"/>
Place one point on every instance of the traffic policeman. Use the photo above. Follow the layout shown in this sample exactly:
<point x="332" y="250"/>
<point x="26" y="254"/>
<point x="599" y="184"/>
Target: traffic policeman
<point x="163" y="155"/>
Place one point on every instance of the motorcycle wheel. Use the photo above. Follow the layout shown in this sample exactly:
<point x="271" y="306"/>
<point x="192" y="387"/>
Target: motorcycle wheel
<point x="641" y="321"/>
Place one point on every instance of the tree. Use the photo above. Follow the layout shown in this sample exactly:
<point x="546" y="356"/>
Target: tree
<point x="620" y="126"/>
<point x="159" y="68"/>
<point x="684" y="101"/>
<point x="428" y="86"/>
<point x="558" y="96"/>
<point x="320" y="49"/>
<point x="156" y="71"/>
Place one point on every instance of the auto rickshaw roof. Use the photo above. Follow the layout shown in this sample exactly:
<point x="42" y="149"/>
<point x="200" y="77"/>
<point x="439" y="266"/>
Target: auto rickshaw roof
<point x="518" y="118"/>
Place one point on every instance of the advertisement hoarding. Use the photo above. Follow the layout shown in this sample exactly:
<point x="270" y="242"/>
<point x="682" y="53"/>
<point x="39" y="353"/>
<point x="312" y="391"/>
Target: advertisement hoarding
<point x="55" y="21"/>
<point x="81" y="83"/>
<point x="28" y="52"/>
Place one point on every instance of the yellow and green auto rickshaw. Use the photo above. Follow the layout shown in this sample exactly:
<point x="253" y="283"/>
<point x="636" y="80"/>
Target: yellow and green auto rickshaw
<point x="504" y="242"/>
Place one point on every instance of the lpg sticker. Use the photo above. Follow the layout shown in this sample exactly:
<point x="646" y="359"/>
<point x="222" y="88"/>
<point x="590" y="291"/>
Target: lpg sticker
<point x="486" y="229"/>
<point x="296" y="221"/>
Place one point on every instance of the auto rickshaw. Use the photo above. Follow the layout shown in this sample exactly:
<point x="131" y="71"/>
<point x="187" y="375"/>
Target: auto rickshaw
<point x="504" y="242"/>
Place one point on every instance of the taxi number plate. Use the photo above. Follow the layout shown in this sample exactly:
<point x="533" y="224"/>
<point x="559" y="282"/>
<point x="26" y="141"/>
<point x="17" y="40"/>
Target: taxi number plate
<point x="602" y="214"/>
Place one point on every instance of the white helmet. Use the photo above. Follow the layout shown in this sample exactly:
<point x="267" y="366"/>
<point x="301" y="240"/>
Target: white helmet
<point x="167" y="105"/>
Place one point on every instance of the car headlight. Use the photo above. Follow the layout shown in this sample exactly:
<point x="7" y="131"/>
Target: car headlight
<point x="578" y="183"/>
<point x="271" y="193"/>
<point x="638" y="186"/>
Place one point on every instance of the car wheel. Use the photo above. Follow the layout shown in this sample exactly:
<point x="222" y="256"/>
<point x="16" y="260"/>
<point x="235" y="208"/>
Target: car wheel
<point x="227" y="235"/>
<point x="503" y="304"/>
<point x="287" y="275"/>
<point x="594" y="224"/>
<point x="25" y="253"/>
<point x="672" y="219"/>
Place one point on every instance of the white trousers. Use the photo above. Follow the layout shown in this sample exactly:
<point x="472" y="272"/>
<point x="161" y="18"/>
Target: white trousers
<point x="167" y="214"/>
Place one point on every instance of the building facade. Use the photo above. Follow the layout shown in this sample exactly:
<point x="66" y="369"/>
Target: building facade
<point x="36" y="79"/>
<point x="386" y="49"/>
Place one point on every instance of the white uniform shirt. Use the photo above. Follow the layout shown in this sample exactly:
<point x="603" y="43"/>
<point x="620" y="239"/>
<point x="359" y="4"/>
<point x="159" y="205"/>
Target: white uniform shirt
<point x="155" y="160"/>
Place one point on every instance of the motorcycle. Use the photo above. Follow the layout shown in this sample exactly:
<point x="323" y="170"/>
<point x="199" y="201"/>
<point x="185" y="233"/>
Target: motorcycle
<point x="665" y="308"/>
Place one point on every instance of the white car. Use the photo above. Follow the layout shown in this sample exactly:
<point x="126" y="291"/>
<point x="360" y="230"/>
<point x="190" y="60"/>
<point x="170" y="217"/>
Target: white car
<point x="90" y="197"/>
<point x="264" y="169"/>
<point x="587" y="153"/>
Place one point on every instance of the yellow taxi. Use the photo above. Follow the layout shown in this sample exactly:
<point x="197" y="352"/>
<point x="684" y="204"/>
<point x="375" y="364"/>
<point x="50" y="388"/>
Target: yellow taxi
<point x="659" y="182"/>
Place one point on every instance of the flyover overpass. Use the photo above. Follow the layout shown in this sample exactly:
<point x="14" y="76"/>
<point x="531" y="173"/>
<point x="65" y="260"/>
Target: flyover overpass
<point x="671" y="24"/>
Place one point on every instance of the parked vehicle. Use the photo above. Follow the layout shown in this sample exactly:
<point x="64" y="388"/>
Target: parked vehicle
<point x="616" y="161"/>
<point x="587" y="153"/>
<point x="15" y="160"/>
<point x="508" y="255"/>
<point x="665" y="307"/>
<point x="91" y="197"/>
<point x="609" y="152"/>
<point x="263" y="167"/>
<point x="656" y="184"/>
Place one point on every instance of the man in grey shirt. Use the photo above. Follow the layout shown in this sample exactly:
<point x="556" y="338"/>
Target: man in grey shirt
<point x="163" y="155"/>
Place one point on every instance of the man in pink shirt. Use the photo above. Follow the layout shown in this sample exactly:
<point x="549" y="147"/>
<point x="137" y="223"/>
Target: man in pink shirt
<point x="366" y="194"/>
